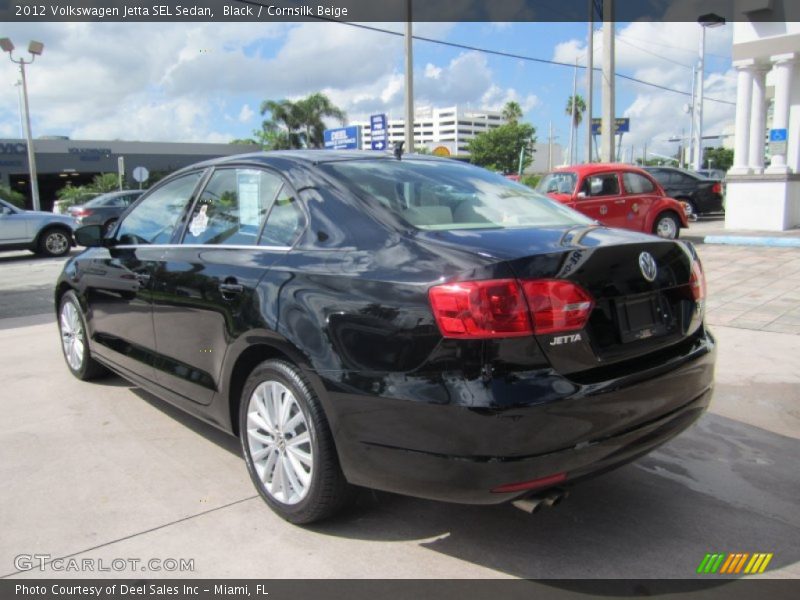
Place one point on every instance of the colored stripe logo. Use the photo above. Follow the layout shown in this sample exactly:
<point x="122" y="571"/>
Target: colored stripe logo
<point x="734" y="563"/>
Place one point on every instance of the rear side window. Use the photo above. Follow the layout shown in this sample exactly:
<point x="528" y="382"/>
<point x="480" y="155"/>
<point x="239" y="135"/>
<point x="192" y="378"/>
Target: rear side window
<point x="232" y="207"/>
<point x="637" y="184"/>
<point x="660" y="176"/>
<point x="153" y="220"/>
<point x="285" y="222"/>
<point x="606" y="184"/>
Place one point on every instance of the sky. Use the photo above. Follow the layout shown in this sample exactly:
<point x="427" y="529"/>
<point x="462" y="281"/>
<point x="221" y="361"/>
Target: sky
<point x="205" y="82"/>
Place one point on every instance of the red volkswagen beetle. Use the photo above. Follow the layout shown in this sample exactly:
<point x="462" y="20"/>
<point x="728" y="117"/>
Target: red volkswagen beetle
<point x="617" y="195"/>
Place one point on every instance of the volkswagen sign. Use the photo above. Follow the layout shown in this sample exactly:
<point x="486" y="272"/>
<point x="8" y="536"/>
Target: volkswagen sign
<point x="647" y="264"/>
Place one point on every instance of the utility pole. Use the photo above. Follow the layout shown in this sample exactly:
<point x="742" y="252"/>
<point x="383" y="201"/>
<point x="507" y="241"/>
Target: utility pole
<point x="608" y="122"/>
<point x="550" y="147"/>
<point x="590" y="83"/>
<point x="573" y="131"/>
<point x="409" y="124"/>
<point x="692" y="113"/>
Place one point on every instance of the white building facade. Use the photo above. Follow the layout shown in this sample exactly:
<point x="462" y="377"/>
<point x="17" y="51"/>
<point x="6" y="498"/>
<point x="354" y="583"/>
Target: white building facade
<point x="765" y="195"/>
<point x="447" y="131"/>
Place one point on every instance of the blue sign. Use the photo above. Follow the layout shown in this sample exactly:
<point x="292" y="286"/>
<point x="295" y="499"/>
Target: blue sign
<point x="380" y="137"/>
<point x="621" y="125"/>
<point x="778" y="135"/>
<point x="343" y="138"/>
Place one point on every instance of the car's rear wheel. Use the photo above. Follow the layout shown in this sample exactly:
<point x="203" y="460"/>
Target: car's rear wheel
<point x="74" y="340"/>
<point x="288" y="446"/>
<point x="54" y="242"/>
<point x="667" y="226"/>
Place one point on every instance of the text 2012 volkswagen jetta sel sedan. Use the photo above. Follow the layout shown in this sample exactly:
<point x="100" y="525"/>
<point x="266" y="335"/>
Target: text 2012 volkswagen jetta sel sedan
<point x="420" y="326"/>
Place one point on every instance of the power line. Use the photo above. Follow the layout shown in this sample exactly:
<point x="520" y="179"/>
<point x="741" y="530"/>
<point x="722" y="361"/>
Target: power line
<point x="500" y="53"/>
<point x="646" y="51"/>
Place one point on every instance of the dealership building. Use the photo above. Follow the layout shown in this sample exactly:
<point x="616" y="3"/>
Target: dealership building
<point x="61" y="160"/>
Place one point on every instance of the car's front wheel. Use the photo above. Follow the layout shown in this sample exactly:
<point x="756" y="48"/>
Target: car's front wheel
<point x="74" y="340"/>
<point x="54" y="242"/>
<point x="667" y="226"/>
<point x="288" y="446"/>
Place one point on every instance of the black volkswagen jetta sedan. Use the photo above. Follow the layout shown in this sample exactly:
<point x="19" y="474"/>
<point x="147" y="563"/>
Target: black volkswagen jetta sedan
<point x="415" y="325"/>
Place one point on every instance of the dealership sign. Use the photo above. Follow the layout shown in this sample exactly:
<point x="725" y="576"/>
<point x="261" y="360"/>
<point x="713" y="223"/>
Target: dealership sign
<point x="343" y="138"/>
<point x="620" y="125"/>
<point x="377" y="124"/>
<point x="17" y="148"/>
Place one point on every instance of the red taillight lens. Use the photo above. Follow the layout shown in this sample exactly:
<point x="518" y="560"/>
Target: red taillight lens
<point x="81" y="212"/>
<point x="531" y="485"/>
<point x="717" y="188"/>
<point x="557" y="305"/>
<point x="509" y="308"/>
<point x="697" y="282"/>
<point x="480" y="309"/>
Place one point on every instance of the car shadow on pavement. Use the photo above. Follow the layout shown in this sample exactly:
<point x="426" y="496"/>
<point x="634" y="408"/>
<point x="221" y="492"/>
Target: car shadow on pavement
<point x="722" y="486"/>
<point x="24" y="255"/>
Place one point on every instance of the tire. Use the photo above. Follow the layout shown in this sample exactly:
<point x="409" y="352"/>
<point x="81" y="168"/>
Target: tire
<point x="301" y="481"/>
<point x="72" y="330"/>
<point x="667" y="226"/>
<point x="54" y="242"/>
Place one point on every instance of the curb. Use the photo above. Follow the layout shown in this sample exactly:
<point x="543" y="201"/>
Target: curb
<point x="742" y="240"/>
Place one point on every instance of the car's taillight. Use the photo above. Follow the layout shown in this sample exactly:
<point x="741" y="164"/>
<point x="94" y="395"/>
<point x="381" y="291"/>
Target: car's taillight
<point x="81" y="212"/>
<point x="557" y="305"/>
<point x="480" y="309"/>
<point x="717" y="188"/>
<point x="509" y="308"/>
<point x="697" y="282"/>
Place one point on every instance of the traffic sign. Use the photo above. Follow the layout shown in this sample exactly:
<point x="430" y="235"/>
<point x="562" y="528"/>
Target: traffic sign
<point x="379" y="137"/>
<point x="621" y="125"/>
<point x="343" y="138"/>
<point x="778" y="135"/>
<point x="140" y="174"/>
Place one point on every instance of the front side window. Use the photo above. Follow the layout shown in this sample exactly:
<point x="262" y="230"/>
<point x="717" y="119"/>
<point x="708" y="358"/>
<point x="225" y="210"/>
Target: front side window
<point x="232" y="207"/>
<point x="637" y="184"/>
<point x="154" y="219"/>
<point x="433" y="194"/>
<point x="560" y="182"/>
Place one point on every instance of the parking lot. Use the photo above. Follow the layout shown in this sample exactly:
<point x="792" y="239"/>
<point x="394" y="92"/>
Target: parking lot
<point x="106" y="471"/>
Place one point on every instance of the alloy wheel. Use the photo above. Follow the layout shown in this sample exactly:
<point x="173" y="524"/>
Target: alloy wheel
<point x="56" y="243"/>
<point x="667" y="228"/>
<point x="72" y="335"/>
<point x="279" y="441"/>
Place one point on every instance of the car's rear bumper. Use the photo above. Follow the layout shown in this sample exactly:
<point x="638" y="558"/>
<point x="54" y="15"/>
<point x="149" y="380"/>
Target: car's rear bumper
<point x="460" y="454"/>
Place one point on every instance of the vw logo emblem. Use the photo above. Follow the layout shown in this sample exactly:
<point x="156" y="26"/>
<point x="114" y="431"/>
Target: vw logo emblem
<point x="647" y="264"/>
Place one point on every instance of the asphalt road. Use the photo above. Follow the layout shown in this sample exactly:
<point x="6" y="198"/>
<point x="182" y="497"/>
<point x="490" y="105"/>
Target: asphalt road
<point x="104" y="470"/>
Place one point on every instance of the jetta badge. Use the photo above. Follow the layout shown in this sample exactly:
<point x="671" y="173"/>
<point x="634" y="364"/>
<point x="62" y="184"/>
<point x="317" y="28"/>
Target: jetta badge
<point x="647" y="264"/>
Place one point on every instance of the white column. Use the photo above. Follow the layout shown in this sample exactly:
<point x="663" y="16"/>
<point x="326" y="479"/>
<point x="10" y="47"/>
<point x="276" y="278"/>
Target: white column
<point x="744" y="95"/>
<point x="784" y="65"/>
<point x="758" y="119"/>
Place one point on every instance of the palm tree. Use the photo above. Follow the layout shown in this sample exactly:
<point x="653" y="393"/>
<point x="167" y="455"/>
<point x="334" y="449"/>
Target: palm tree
<point x="512" y="111"/>
<point x="301" y="121"/>
<point x="580" y="108"/>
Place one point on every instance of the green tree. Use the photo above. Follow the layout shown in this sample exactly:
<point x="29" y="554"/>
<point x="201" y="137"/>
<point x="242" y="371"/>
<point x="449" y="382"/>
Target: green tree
<point x="580" y="108"/>
<point x="720" y="158"/>
<point x="499" y="148"/>
<point x="512" y="112"/>
<point x="298" y="124"/>
<point x="12" y="196"/>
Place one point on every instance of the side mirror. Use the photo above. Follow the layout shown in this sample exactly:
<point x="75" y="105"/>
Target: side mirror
<point x="581" y="195"/>
<point x="91" y="236"/>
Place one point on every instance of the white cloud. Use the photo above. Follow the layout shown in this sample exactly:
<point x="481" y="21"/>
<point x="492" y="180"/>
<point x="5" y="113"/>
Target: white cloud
<point x="246" y="114"/>
<point x="432" y="71"/>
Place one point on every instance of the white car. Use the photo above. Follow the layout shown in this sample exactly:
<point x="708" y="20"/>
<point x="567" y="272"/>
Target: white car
<point x="40" y="232"/>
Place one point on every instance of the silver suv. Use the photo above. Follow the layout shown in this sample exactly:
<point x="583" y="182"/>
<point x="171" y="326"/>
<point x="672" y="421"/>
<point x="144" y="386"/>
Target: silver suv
<point x="40" y="232"/>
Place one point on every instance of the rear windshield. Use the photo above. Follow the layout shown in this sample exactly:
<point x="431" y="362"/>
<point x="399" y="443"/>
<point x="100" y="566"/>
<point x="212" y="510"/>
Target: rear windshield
<point x="451" y="195"/>
<point x="562" y="182"/>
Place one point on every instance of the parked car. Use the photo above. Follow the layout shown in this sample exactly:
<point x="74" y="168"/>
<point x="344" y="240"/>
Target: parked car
<point x="420" y="326"/>
<point x="716" y="174"/>
<point x="105" y="209"/>
<point x="703" y="195"/>
<point x="40" y="232"/>
<point x="616" y="195"/>
<point x="61" y="207"/>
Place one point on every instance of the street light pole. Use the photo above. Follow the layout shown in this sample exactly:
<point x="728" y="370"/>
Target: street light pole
<point x="409" y="125"/>
<point x="35" y="49"/>
<point x="705" y="21"/>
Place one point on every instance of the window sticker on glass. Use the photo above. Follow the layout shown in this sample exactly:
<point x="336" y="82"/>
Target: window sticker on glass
<point x="200" y="222"/>
<point x="247" y="183"/>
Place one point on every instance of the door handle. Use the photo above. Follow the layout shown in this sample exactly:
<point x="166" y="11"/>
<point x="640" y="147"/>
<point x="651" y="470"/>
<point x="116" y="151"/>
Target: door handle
<point x="619" y="201"/>
<point x="230" y="288"/>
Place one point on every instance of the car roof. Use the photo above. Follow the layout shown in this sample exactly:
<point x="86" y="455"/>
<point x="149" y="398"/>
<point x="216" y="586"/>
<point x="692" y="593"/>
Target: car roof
<point x="590" y="168"/>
